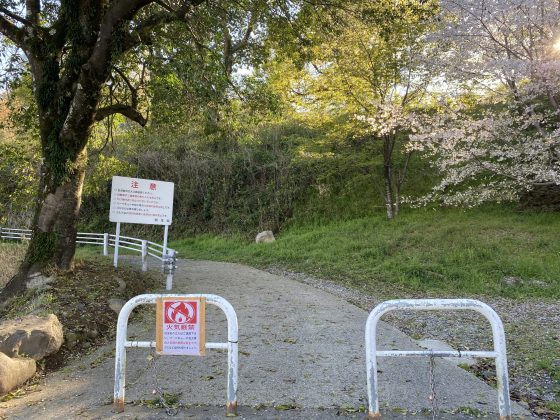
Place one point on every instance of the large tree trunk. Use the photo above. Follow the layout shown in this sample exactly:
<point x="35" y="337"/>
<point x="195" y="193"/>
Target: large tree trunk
<point x="54" y="227"/>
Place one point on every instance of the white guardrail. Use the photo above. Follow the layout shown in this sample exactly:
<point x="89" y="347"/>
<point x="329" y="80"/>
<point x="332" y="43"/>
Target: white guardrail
<point x="143" y="247"/>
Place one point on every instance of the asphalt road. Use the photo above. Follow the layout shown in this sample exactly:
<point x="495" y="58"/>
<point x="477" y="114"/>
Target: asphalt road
<point x="301" y="355"/>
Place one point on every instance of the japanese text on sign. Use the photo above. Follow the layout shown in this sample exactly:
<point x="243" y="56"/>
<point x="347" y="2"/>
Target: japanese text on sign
<point x="180" y="326"/>
<point x="142" y="201"/>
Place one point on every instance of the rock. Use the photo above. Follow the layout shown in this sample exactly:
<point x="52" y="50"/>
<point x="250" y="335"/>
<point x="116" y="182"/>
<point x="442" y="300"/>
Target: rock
<point x="265" y="237"/>
<point x="92" y="334"/>
<point x="32" y="336"/>
<point x="14" y="372"/>
<point x="512" y="281"/>
<point x="538" y="283"/>
<point x="122" y="284"/>
<point x="116" y="304"/>
<point x="39" y="281"/>
<point x="71" y="340"/>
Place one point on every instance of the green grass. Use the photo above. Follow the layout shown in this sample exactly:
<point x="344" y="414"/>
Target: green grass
<point x="445" y="252"/>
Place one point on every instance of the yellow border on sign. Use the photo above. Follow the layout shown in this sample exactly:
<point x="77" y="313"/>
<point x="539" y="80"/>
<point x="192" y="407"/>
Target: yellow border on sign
<point x="202" y="336"/>
<point x="202" y="322"/>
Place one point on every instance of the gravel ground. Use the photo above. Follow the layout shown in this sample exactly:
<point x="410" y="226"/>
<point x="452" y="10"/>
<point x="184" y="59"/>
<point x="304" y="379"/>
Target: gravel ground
<point x="532" y="333"/>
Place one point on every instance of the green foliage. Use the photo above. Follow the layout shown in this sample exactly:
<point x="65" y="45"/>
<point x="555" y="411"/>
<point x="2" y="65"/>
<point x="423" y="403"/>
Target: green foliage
<point x="18" y="172"/>
<point x="443" y="253"/>
<point x="21" y="109"/>
<point x="223" y="185"/>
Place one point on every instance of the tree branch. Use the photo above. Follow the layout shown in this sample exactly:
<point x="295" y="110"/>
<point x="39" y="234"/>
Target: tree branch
<point x="242" y="43"/>
<point x="126" y="110"/>
<point x="32" y="10"/>
<point x="15" y="17"/>
<point x="12" y="32"/>
<point x="133" y="90"/>
<point x="141" y="33"/>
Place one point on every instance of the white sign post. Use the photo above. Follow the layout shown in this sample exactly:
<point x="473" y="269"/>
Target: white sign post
<point x="142" y="201"/>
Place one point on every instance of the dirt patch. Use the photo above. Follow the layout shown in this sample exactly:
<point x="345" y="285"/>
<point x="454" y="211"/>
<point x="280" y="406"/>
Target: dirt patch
<point x="80" y="300"/>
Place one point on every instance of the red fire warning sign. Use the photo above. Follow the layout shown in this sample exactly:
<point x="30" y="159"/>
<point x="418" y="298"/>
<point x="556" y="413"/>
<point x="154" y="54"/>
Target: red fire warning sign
<point x="180" y="326"/>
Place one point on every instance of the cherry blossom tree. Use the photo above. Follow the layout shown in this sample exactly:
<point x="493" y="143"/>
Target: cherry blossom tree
<point x="366" y="77"/>
<point x="501" y="74"/>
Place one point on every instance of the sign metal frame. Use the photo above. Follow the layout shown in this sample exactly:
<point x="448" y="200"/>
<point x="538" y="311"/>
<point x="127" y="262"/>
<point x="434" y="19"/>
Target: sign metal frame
<point x="130" y="197"/>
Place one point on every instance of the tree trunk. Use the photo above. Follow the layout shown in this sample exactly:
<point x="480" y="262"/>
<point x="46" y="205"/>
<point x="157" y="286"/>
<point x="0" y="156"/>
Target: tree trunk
<point x="388" y="191"/>
<point x="54" y="226"/>
<point x="397" y="201"/>
<point x="388" y="145"/>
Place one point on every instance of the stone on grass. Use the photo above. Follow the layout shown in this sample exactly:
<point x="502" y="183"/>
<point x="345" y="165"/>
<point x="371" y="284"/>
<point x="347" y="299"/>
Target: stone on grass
<point x="265" y="237"/>
<point x="39" y="281"/>
<point x="14" y="372"/>
<point x="116" y="304"/>
<point x="31" y="336"/>
<point x="512" y="281"/>
<point x="121" y="284"/>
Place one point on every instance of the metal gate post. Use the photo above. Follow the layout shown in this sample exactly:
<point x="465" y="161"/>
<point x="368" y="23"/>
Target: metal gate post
<point x="499" y="352"/>
<point x="231" y="346"/>
<point x="169" y="264"/>
<point x="105" y="244"/>
<point x="144" y="253"/>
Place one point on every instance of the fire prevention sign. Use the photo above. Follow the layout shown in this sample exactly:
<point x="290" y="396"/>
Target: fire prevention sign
<point x="180" y="326"/>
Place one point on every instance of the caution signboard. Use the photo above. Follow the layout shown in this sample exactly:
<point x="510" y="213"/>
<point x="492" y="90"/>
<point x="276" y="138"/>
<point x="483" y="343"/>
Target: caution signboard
<point x="143" y="201"/>
<point x="180" y="326"/>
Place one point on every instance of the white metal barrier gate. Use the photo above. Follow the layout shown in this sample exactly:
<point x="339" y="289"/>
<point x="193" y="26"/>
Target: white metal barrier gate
<point x="499" y="352"/>
<point x="230" y="346"/>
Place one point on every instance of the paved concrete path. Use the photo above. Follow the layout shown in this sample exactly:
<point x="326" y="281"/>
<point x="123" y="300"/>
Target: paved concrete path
<point x="299" y="347"/>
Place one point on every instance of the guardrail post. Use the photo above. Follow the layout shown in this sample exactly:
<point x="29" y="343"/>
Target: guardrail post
<point x="106" y="244"/>
<point x="169" y="267"/>
<point x="116" y="251"/>
<point x="144" y="255"/>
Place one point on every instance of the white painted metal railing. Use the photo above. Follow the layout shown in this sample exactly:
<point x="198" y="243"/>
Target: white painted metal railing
<point x="144" y="247"/>
<point x="499" y="352"/>
<point x="15" y="234"/>
<point x="106" y="240"/>
<point x="122" y="342"/>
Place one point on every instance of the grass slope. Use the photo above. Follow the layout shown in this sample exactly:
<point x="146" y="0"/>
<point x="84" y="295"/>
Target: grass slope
<point x="423" y="252"/>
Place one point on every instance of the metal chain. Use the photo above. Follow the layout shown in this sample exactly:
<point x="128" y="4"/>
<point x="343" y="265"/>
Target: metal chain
<point x="170" y="411"/>
<point x="433" y="396"/>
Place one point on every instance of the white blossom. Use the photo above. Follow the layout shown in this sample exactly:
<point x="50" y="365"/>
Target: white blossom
<point x="502" y="51"/>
